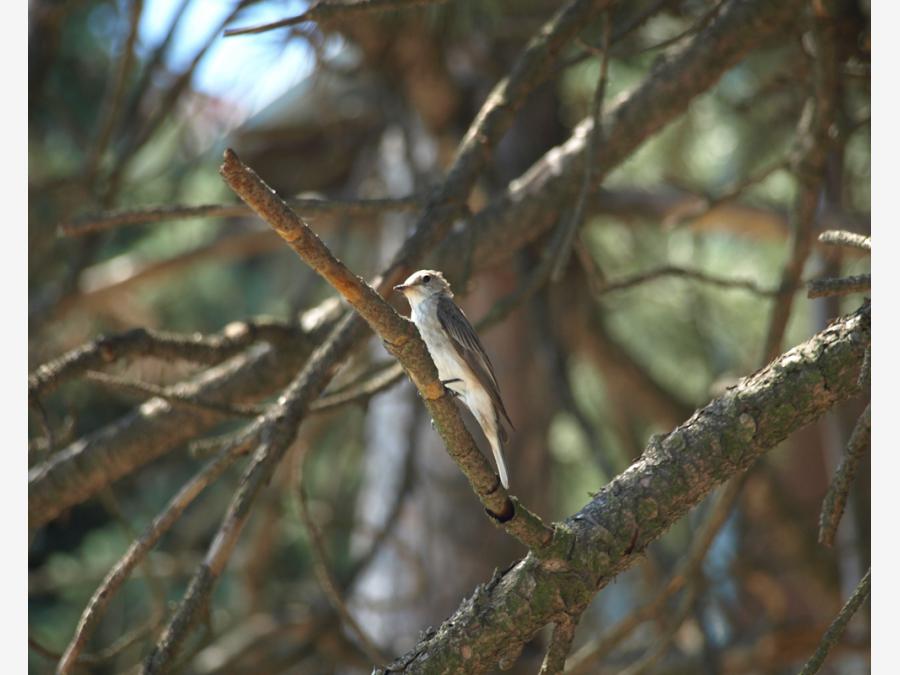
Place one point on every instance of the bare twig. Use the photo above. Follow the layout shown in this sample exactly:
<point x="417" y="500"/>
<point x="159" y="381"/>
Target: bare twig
<point x="819" y="288"/>
<point x="205" y="349"/>
<point x="324" y="10"/>
<point x="836" y="629"/>
<point x="560" y="644"/>
<point x="171" y="394"/>
<point x="813" y="144"/>
<point x="107" y="220"/>
<point x="836" y="498"/>
<point x="360" y="393"/>
<point x="112" y="103"/>
<point x="674" y="271"/>
<point x="661" y="644"/>
<point x="326" y="580"/>
<point x="570" y="226"/>
<point x="700" y="208"/>
<point x="119" y="573"/>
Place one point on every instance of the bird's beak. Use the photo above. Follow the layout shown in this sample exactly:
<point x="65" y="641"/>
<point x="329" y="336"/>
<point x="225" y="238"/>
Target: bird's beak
<point x="400" y="287"/>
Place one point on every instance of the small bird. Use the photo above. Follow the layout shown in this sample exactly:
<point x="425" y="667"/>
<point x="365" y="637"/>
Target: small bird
<point x="463" y="366"/>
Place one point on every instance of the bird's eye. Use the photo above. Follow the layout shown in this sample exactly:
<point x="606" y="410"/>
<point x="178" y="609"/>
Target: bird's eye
<point x="426" y="278"/>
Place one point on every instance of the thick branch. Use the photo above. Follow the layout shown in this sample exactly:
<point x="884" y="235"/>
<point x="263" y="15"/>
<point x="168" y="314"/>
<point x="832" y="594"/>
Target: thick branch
<point x="673" y="475"/>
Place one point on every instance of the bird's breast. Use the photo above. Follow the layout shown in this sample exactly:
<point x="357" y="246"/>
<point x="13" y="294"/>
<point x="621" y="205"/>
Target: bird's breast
<point x="449" y="364"/>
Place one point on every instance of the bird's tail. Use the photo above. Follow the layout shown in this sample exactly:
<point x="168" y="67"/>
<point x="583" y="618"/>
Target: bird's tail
<point x="497" y="449"/>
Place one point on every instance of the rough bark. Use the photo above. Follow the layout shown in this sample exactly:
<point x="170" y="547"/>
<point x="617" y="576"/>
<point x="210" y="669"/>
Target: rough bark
<point x="674" y="474"/>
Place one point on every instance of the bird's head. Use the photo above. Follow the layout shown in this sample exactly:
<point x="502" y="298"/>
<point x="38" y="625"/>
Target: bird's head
<point x="422" y="285"/>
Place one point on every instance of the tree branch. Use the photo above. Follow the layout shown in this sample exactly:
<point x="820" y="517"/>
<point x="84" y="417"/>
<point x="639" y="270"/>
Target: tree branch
<point x="836" y="629"/>
<point x="813" y="145"/>
<point x="120" y="572"/>
<point x="402" y="340"/>
<point x="819" y="288"/>
<point x="673" y="475"/>
<point x="323" y="10"/>
<point x="108" y="220"/>
<point x="530" y="205"/>
<point x="560" y="644"/>
<point x="836" y="498"/>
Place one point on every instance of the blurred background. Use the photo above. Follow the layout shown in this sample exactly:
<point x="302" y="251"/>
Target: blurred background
<point x="666" y="302"/>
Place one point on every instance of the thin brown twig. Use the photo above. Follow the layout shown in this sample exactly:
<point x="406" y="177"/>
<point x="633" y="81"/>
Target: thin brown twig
<point x="107" y="220"/>
<point x="819" y="288"/>
<point x="326" y="580"/>
<point x="681" y="272"/>
<point x="323" y="10"/>
<point x="836" y="498"/>
<point x="570" y="226"/>
<point x="112" y="104"/>
<point x="836" y="629"/>
<point x="705" y="205"/>
<point x="560" y="644"/>
<point x="809" y="165"/>
<point x="661" y="644"/>
<point x="172" y="395"/>
<point x="120" y="572"/>
<point x="361" y="392"/>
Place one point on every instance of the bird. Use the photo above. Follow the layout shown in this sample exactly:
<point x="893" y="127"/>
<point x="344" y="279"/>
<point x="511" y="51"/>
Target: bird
<point x="462" y="363"/>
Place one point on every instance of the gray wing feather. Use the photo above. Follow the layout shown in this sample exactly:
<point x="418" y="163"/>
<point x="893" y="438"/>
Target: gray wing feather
<point x="469" y="347"/>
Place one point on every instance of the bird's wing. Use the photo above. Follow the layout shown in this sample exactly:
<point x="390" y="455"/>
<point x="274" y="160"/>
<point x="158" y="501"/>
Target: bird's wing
<point x="469" y="347"/>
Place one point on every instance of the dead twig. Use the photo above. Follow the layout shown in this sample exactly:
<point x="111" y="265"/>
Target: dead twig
<point x="836" y="498"/>
<point x="326" y="580"/>
<point x="560" y="644"/>
<point x="323" y="10"/>
<point x="120" y="572"/>
<point x="836" y="629"/>
<point x="108" y="220"/>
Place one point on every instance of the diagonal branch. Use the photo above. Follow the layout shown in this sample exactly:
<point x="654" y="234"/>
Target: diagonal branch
<point x="673" y="475"/>
<point x="836" y="498"/>
<point x="808" y="164"/>
<point x="324" y="10"/>
<point x="120" y="572"/>
<point x="401" y="339"/>
<point x="833" y="634"/>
